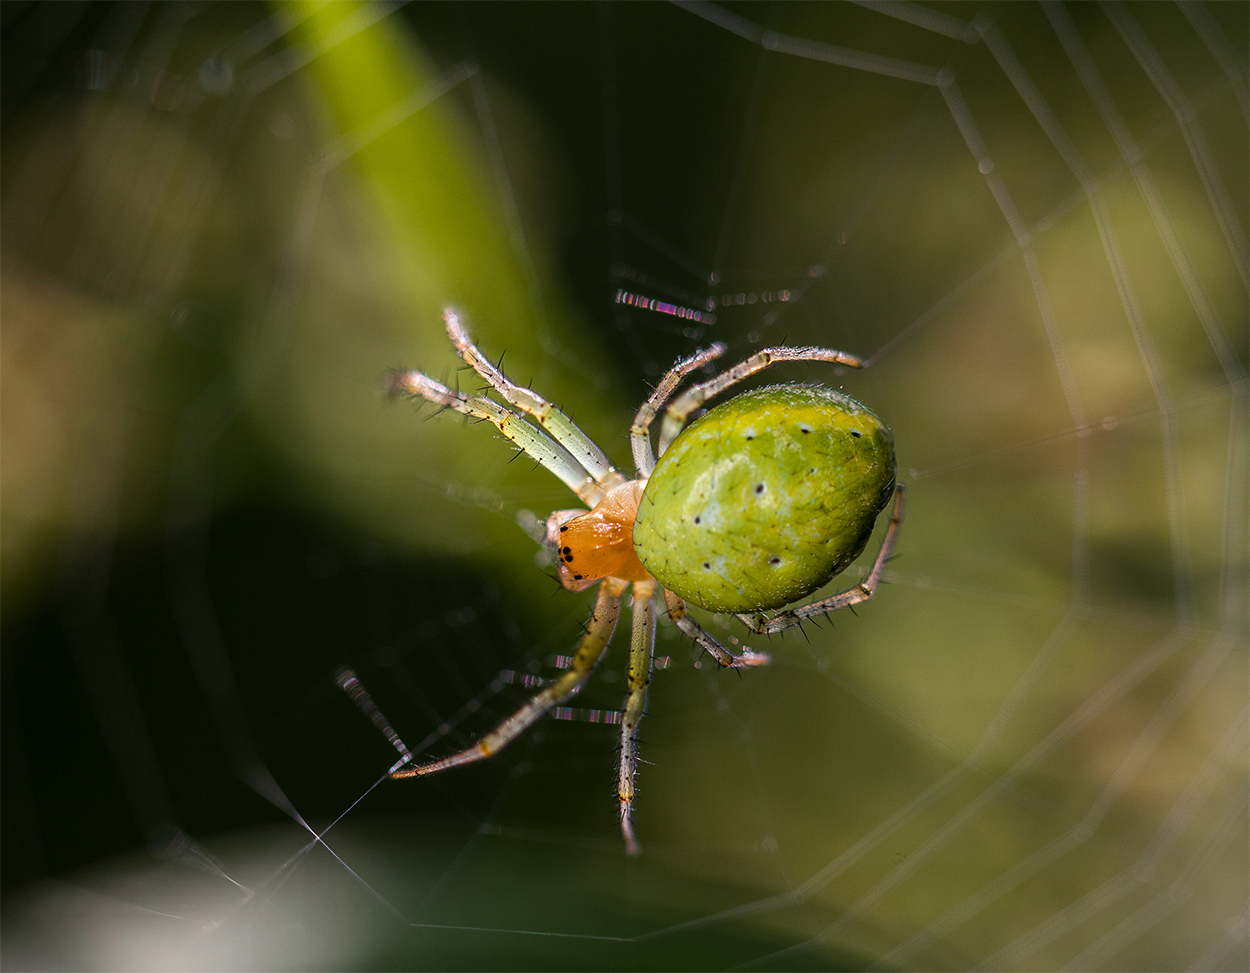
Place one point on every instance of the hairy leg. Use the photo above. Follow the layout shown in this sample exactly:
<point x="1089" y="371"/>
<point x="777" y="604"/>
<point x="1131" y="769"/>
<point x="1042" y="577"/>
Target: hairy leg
<point x="760" y="624"/>
<point x="692" y="629"/>
<point x="594" y="643"/>
<point x="638" y="677"/>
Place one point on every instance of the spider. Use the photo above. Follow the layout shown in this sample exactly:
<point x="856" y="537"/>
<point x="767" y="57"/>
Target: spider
<point x="750" y="508"/>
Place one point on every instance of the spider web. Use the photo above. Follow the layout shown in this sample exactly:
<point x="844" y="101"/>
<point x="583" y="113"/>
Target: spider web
<point x="222" y="223"/>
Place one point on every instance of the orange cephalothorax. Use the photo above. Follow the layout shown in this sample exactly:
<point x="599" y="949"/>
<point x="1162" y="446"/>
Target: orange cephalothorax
<point x="600" y="543"/>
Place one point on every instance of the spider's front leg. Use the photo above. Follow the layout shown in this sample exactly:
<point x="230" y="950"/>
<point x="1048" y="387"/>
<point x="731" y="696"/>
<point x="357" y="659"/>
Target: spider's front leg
<point x="760" y="624"/>
<point x="561" y="427"/>
<point x="536" y="444"/>
<point x="594" y="643"/>
<point x="693" y="630"/>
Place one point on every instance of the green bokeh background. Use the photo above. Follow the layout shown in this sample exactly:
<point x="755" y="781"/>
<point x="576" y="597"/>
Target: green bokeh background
<point x="216" y="241"/>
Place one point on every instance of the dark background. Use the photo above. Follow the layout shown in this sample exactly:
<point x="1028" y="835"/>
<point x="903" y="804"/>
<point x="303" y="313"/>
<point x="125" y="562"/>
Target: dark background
<point x="209" y="506"/>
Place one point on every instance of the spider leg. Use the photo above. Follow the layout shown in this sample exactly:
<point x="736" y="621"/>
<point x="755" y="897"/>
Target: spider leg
<point x="594" y="643"/>
<point x="692" y="629"/>
<point x="540" y="447"/>
<point x="638" y="676"/>
<point x="681" y="408"/>
<point x="761" y="625"/>
<point x="560" y="426"/>
<point x="640" y="431"/>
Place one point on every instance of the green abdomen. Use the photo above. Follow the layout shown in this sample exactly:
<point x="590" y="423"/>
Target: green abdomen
<point x="764" y="499"/>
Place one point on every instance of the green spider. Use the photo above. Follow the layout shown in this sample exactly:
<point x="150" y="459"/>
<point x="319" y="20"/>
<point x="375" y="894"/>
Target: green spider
<point x="750" y="508"/>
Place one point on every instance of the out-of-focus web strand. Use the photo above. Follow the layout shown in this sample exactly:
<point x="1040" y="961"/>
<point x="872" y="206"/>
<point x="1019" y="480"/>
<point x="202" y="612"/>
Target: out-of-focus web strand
<point x="1147" y="662"/>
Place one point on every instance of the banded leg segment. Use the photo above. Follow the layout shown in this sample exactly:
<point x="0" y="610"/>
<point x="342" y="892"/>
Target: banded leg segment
<point x="762" y="625"/>
<point x="681" y="408"/>
<point x="638" y="678"/>
<point x="536" y="444"/>
<point x="640" y="431"/>
<point x="594" y="643"/>
<point x="693" y="630"/>
<point x="560" y="426"/>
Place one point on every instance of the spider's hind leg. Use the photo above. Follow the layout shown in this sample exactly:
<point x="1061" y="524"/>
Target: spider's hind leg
<point x="686" y="404"/>
<point x="760" y="624"/>
<point x="640" y="430"/>
<point x="693" y="630"/>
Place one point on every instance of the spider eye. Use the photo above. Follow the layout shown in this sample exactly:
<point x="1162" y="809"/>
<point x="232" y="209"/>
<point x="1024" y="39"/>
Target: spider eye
<point x="759" y="488"/>
<point x="856" y="433"/>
